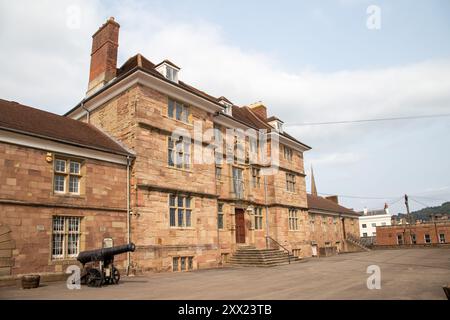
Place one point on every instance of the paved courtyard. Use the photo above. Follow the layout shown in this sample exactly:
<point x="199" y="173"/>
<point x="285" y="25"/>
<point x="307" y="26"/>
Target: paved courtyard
<point x="405" y="274"/>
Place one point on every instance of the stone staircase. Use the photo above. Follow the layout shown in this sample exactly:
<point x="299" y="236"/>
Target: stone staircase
<point x="248" y="256"/>
<point x="357" y="242"/>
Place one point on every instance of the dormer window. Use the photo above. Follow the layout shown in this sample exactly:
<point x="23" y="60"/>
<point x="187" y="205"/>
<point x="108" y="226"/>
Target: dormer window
<point x="276" y="123"/>
<point x="171" y="74"/>
<point x="169" y="70"/>
<point x="228" y="106"/>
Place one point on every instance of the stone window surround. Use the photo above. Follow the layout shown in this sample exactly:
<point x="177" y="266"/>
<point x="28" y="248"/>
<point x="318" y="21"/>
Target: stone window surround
<point x="290" y="182"/>
<point x="258" y="218"/>
<point x="188" y="263"/>
<point x="220" y="216"/>
<point x="185" y="108"/>
<point x="293" y="223"/>
<point x="188" y="167"/>
<point x="184" y="208"/>
<point x="65" y="257"/>
<point x="67" y="174"/>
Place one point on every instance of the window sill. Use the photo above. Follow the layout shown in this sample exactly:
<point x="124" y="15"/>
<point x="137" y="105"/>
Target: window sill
<point x="68" y="195"/>
<point x="65" y="261"/>
<point x="182" y="228"/>
<point x="179" y="121"/>
<point x="180" y="169"/>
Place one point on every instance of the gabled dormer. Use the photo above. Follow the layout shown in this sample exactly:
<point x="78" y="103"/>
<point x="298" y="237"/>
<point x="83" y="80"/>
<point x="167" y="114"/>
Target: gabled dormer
<point x="276" y="123"/>
<point x="169" y="70"/>
<point x="228" y="105"/>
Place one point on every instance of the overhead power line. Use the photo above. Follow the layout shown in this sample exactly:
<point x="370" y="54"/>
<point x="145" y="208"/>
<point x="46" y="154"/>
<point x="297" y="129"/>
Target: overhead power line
<point x="421" y="203"/>
<point x="367" y="120"/>
<point x="357" y="197"/>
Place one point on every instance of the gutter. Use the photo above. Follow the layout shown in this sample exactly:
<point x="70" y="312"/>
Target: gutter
<point x="88" y="113"/>
<point x="30" y="134"/>
<point x="128" y="213"/>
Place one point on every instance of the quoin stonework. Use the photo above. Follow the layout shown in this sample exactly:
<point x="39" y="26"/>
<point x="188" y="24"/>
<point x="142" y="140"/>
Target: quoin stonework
<point x="144" y="157"/>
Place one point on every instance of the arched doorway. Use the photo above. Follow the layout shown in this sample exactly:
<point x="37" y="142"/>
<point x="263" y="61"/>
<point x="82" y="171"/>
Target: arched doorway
<point x="6" y="248"/>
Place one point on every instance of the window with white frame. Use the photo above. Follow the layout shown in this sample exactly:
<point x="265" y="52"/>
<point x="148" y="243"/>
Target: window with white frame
<point x="364" y="226"/>
<point x="441" y="238"/>
<point x="179" y="153"/>
<point x="258" y="218"/>
<point x="171" y="74"/>
<point x="65" y="237"/>
<point x="180" y="211"/>
<point x="290" y="182"/>
<point x="427" y="238"/>
<point x="67" y="176"/>
<point x="256" y="179"/>
<point x="293" y="219"/>
<point x="178" y="111"/>
<point x="374" y="225"/>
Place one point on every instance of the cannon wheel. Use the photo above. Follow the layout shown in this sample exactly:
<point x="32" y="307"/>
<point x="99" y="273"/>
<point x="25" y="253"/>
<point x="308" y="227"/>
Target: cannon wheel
<point x="115" y="276"/>
<point x="94" y="278"/>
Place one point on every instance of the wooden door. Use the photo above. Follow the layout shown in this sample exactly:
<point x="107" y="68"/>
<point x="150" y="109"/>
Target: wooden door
<point x="240" y="225"/>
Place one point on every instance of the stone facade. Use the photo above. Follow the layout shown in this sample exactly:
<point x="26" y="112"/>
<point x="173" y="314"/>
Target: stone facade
<point x="330" y="230"/>
<point x="139" y="119"/>
<point x="28" y="205"/>
<point x="181" y="217"/>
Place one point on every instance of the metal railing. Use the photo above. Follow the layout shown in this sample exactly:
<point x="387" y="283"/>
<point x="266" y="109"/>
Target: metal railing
<point x="281" y="246"/>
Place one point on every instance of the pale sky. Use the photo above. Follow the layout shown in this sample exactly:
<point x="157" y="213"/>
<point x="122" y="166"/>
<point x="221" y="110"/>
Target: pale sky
<point x="309" y="61"/>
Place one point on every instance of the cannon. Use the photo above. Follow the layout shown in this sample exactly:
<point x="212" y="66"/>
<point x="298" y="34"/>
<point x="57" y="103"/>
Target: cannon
<point x="98" y="265"/>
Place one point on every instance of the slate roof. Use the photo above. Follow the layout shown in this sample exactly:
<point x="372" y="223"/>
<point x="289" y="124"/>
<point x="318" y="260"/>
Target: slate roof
<point x="24" y="119"/>
<point x="320" y="203"/>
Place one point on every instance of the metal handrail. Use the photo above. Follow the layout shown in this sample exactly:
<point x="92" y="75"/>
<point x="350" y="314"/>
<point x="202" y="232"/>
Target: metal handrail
<point x="283" y="247"/>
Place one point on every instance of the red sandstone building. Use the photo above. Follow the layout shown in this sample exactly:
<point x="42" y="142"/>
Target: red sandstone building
<point x="63" y="187"/>
<point x="111" y="168"/>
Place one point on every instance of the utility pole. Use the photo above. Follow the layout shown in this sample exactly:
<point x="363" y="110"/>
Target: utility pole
<point x="408" y="218"/>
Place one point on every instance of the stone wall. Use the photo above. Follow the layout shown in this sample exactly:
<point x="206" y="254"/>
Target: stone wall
<point x="28" y="205"/>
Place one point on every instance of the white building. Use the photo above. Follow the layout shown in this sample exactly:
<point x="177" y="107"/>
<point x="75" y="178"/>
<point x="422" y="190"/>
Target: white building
<point x="369" y="221"/>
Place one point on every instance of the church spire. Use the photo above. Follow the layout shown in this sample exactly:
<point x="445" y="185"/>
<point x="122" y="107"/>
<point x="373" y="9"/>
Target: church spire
<point x="313" y="183"/>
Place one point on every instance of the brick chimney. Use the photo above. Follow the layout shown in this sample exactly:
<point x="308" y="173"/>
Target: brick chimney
<point x="333" y="198"/>
<point x="259" y="109"/>
<point x="103" y="55"/>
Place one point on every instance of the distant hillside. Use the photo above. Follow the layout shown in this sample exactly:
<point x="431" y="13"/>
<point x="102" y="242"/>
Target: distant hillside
<point x="425" y="213"/>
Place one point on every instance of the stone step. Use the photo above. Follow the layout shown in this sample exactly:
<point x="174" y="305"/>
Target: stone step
<point x="259" y="260"/>
<point x="250" y="256"/>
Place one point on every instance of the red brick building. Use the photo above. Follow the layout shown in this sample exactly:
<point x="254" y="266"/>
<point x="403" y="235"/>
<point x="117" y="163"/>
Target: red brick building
<point x="431" y="233"/>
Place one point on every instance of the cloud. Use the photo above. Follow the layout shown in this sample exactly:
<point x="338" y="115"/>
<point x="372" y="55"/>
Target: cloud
<point x="46" y="64"/>
<point x="344" y="158"/>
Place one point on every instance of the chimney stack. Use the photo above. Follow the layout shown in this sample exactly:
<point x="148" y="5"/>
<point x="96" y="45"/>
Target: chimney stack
<point x="105" y="43"/>
<point x="333" y="198"/>
<point x="259" y="109"/>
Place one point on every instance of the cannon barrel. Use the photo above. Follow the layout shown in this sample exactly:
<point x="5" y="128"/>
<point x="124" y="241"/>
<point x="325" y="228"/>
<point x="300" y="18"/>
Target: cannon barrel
<point x="104" y="253"/>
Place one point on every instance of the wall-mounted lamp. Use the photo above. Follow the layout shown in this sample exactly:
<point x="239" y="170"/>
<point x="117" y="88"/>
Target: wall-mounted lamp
<point x="49" y="157"/>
